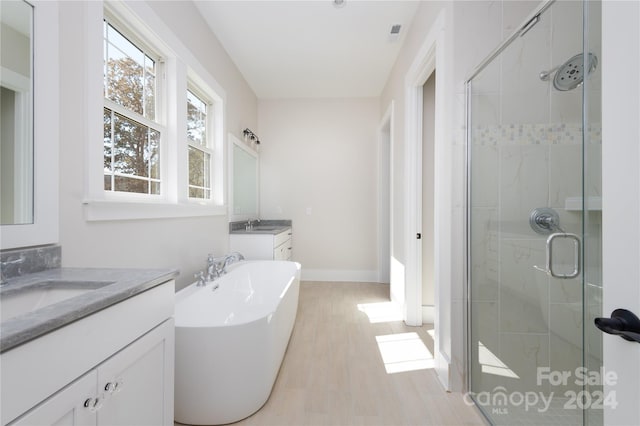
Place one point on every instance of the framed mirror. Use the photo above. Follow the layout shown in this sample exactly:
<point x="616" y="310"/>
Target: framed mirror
<point x="244" y="181"/>
<point x="29" y="76"/>
<point x="16" y="113"/>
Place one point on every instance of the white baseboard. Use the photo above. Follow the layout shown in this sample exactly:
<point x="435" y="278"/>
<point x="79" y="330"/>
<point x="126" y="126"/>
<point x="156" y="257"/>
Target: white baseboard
<point x="428" y="314"/>
<point x="339" y="275"/>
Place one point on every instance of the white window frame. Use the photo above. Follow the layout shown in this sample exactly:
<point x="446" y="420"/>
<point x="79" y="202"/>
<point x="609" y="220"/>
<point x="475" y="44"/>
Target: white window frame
<point x="208" y="148"/>
<point x="158" y="123"/>
<point x="180" y="66"/>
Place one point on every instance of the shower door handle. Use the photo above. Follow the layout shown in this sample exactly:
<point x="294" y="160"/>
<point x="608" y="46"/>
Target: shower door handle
<point x="576" y="255"/>
<point x="622" y="323"/>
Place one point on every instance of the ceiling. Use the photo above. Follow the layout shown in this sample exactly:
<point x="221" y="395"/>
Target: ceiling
<point x="311" y="48"/>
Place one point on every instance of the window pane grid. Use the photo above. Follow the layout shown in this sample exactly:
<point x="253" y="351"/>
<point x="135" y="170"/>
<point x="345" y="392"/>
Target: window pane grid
<point x="199" y="173"/>
<point x="132" y="152"/>
<point x="197" y="143"/>
<point x="129" y="74"/>
<point x="108" y="148"/>
<point x="148" y="93"/>
<point x="134" y="98"/>
<point x="201" y="148"/>
<point x="131" y="134"/>
<point x="196" y="119"/>
<point x="119" y="109"/>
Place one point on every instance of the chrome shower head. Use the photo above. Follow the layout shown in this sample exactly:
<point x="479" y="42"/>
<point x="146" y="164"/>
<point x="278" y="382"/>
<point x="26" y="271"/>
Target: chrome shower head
<point x="570" y="75"/>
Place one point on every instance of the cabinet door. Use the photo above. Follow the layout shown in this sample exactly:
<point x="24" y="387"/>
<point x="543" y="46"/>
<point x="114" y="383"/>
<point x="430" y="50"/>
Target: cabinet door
<point x="67" y="407"/>
<point x="253" y="246"/>
<point x="282" y="252"/>
<point x="138" y="381"/>
<point x="282" y="241"/>
<point x="278" y="253"/>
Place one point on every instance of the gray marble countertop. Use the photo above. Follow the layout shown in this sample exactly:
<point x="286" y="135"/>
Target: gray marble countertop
<point x="108" y="287"/>
<point x="262" y="227"/>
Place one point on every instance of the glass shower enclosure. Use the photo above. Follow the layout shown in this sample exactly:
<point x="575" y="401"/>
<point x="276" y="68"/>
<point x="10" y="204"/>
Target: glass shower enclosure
<point x="534" y="221"/>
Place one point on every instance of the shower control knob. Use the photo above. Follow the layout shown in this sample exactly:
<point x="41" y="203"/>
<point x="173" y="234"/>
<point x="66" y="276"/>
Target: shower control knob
<point x="544" y="220"/>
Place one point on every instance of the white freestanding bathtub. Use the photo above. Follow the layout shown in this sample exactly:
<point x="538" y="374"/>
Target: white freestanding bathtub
<point x="230" y="342"/>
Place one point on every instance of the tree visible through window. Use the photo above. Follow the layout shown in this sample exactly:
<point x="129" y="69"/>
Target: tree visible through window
<point x="199" y="148"/>
<point x="131" y="132"/>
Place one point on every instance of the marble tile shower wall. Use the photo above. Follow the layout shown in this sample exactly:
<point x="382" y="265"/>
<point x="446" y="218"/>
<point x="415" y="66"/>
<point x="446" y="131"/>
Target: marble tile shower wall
<point x="524" y="317"/>
<point x="527" y="153"/>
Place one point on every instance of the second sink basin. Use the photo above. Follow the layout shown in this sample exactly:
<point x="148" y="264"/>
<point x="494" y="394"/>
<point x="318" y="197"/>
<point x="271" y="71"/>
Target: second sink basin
<point x="18" y="301"/>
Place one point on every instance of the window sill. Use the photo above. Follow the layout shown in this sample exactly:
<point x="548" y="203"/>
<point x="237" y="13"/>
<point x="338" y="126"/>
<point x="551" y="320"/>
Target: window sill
<point x="105" y="210"/>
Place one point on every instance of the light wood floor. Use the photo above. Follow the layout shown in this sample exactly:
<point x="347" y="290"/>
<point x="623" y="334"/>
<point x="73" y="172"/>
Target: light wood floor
<point x="333" y="372"/>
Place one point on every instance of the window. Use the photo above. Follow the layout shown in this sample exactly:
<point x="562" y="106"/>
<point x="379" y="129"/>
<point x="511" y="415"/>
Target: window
<point x="199" y="146"/>
<point x="156" y="159"/>
<point x="132" y="131"/>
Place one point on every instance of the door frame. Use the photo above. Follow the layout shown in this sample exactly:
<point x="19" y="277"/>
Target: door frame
<point x="431" y="55"/>
<point x="621" y="200"/>
<point x="385" y="231"/>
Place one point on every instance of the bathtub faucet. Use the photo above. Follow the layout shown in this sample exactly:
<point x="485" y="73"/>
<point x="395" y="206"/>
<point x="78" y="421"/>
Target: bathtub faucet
<point x="231" y="258"/>
<point x="214" y="267"/>
<point x="217" y="266"/>
<point x="201" y="280"/>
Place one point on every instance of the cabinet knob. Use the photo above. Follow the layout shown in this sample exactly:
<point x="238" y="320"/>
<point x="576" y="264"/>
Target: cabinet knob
<point x="93" y="404"/>
<point x="113" y="387"/>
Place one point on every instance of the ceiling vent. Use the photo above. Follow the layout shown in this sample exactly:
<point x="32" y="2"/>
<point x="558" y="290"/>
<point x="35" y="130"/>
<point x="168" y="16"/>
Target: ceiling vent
<point x="394" y="34"/>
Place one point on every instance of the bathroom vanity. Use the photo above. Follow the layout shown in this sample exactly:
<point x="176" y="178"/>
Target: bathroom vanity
<point x="265" y="240"/>
<point x="101" y="356"/>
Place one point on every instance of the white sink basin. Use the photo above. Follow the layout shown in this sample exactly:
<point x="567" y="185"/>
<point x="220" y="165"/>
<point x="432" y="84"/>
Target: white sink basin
<point x="21" y="301"/>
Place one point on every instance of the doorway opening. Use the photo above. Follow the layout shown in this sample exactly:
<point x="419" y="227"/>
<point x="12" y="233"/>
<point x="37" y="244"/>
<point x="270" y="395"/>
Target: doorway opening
<point x="428" y="199"/>
<point x="384" y="197"/>
<point x="431" y="54"/>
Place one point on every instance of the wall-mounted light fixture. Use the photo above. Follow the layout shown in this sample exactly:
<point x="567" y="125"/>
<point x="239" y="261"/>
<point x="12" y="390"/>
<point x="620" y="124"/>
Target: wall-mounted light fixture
<point x="339" y="3"/>
<point x="249" y="135"/>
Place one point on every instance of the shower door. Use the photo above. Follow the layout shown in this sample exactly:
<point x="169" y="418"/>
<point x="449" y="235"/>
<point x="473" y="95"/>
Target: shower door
<point x="534" y="222"/>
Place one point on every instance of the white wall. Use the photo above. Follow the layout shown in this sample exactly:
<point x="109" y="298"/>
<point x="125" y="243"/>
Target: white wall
<point x="621" y="200"/>
<point x="394" y="90"/>
<point x="473" y="29"/>
<point x="318" y="167"/>
<point x="162" y="243"/>
<point x="187" y="23"/>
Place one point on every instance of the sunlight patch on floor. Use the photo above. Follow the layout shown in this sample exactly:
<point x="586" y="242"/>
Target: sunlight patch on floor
<point x="404" y="352"/>
<point x="381" y="311"/>
<point x="491" y="364"/>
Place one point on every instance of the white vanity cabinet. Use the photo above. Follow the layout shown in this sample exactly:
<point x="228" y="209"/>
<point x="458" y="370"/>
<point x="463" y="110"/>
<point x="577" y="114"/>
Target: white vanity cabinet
<point x="114" y="367"/>
<point x="263" y="246"/>
<point x="66" y="407"/>
<point x="134" y="381"/>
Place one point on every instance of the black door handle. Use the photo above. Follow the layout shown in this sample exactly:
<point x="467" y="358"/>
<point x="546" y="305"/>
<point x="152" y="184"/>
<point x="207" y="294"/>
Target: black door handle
<point x="622" y="323"/>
